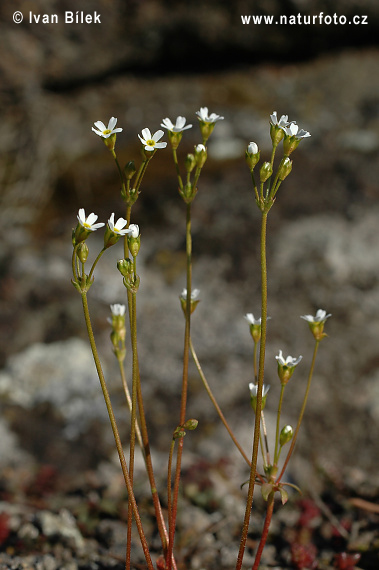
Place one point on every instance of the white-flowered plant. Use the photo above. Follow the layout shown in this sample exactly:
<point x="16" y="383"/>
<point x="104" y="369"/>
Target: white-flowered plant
<point x="134" y="230"/>
<point x="104" y="131"/>
<point x="150" y="142"/>
<point x="252" y="148"/>
<point x="254" y="390"/>
<point x="118" y="310"/>
<point x="320" y="317"/>
<point x="290" y="361"/>
<point x="292" y="130"/>
<point x="252" y="320"/>
<point x="282" y="122"/>
<point x="180" y="125"/>
<point x="194" y="294"/>
<point x="88" y="223"/>
<point x="204" y="116"/>
<point x="119" y="226"/>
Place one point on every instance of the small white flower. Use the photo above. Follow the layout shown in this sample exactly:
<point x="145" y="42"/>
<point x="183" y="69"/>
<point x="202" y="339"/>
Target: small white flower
<point x="117" y="227"/>
<point x="289" y="361"/>
<point x="254" y="389"/>
<point x="250" y="319"/>
<point x="320" y="317"/>
<point x="118" y="310"/>
<point x="282" y="122"/>
<point x="178" y="127"/>
<point x="203" y="116"/>
<point x="292" y="130"/>
<point x="200" y="148"/>
<point x="89" y="222"/>
<point x="194" y="294"/>
<point x="252" y="148"/>
<point x="134" y="230"/>
<point x="150" y="141"/>
<point x="104" y="131"/>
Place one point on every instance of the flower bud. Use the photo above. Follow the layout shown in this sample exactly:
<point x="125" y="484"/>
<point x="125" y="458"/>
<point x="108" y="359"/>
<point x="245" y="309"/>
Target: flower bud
<point x="285" y="435"/>
<point x="130" y="170"/>
<point x="265" y="171"/>
<point x="190" y="424"/>
<point x="253" y="395"/>
<point x="285" y="168"/>
<point x="190" y="162"/>
<point x="276" y="133"/>
<point x="290" y="143"/>
<point x="125" y="267"/>
<point x="200" y="155"/>
<point x="82" y="252"/>
<point x="252" y="155"/>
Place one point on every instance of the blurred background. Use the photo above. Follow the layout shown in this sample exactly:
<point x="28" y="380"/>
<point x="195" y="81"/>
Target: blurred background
<point x="147" y="60"/>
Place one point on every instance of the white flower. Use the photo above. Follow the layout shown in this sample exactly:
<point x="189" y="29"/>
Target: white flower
<point x="250" y="319"/>
<point x="150" y="141"/>
<point x="200" y="148"/>
<point x="194" y="294"/>
<point x="292" y="130"/>
<point x="117" y="227"/>
<point x="89" y="222"/>
<point x="254" y="389"/>
<point x="289" y="361"/>
<point x="203" y="116"/>
<point x="178" y="127"/>
<point x="104" y="131"/>
<point x="320" y="317"/>
<point x="282" y="122"/>
<point x="252" y="148"/>
<point x="134" y="230"/>
<point x="118" y="310"/>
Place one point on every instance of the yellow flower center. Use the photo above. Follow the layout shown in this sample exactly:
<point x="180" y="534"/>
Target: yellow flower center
<point x="150" y="142"/>
<point x="107" y="132"/>
<point x="85" y="225"/>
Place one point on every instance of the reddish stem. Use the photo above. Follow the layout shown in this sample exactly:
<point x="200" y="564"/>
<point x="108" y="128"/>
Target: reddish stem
<point x="270" y="509"/>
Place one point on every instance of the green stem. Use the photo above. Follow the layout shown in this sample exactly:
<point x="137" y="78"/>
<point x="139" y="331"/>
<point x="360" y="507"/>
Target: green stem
<point x="129" y="402"/>
<point x="301" y="412"/>
<point x="183" y="404"/>
<point x="249" y="501"/>
<point x="177" y="169"/>
<point x="95" y="263"/>
<point x="119" y="169"/>
<point x="116" y="433"/>
<point x="276" y="456"/>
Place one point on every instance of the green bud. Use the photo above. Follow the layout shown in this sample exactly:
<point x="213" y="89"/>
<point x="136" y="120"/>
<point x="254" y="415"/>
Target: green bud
<point x="252" y="155"/>
<point x="125" y="267"/>
<point x="134" y="244"/>
<point x="285" y="168"/>
<point x="190" y="162"/>
<point x="277" y="134"/>
<point x="178" y="433"/>
<point x="265" y="171"/>
<point x="82" y="252"/>
<point x="79" y="234"/>
<point x="190" y="424"/>
<point x="130" y="170"/>
<point x="200" y="155"/>
<point x="206" y="129"/>
<point x="285" y="435"/>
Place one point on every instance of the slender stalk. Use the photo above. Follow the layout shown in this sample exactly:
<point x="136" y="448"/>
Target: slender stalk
<point x="95" y="263"/>
<point x="276" y="456"/>
<point x="133" y="416"/>
<point x="214" y="402"/>
<point x="177" y="168"/>
<point x="249" y="501"/>
<point x="169" y="481"/>
<point x="119" y="169"/>
<point x="183" y="404"/>
<point x="116" y="433"/>
<point x="266" y="526"/>
<point x="129" y="402"/>
<point x="301" y="411"/>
